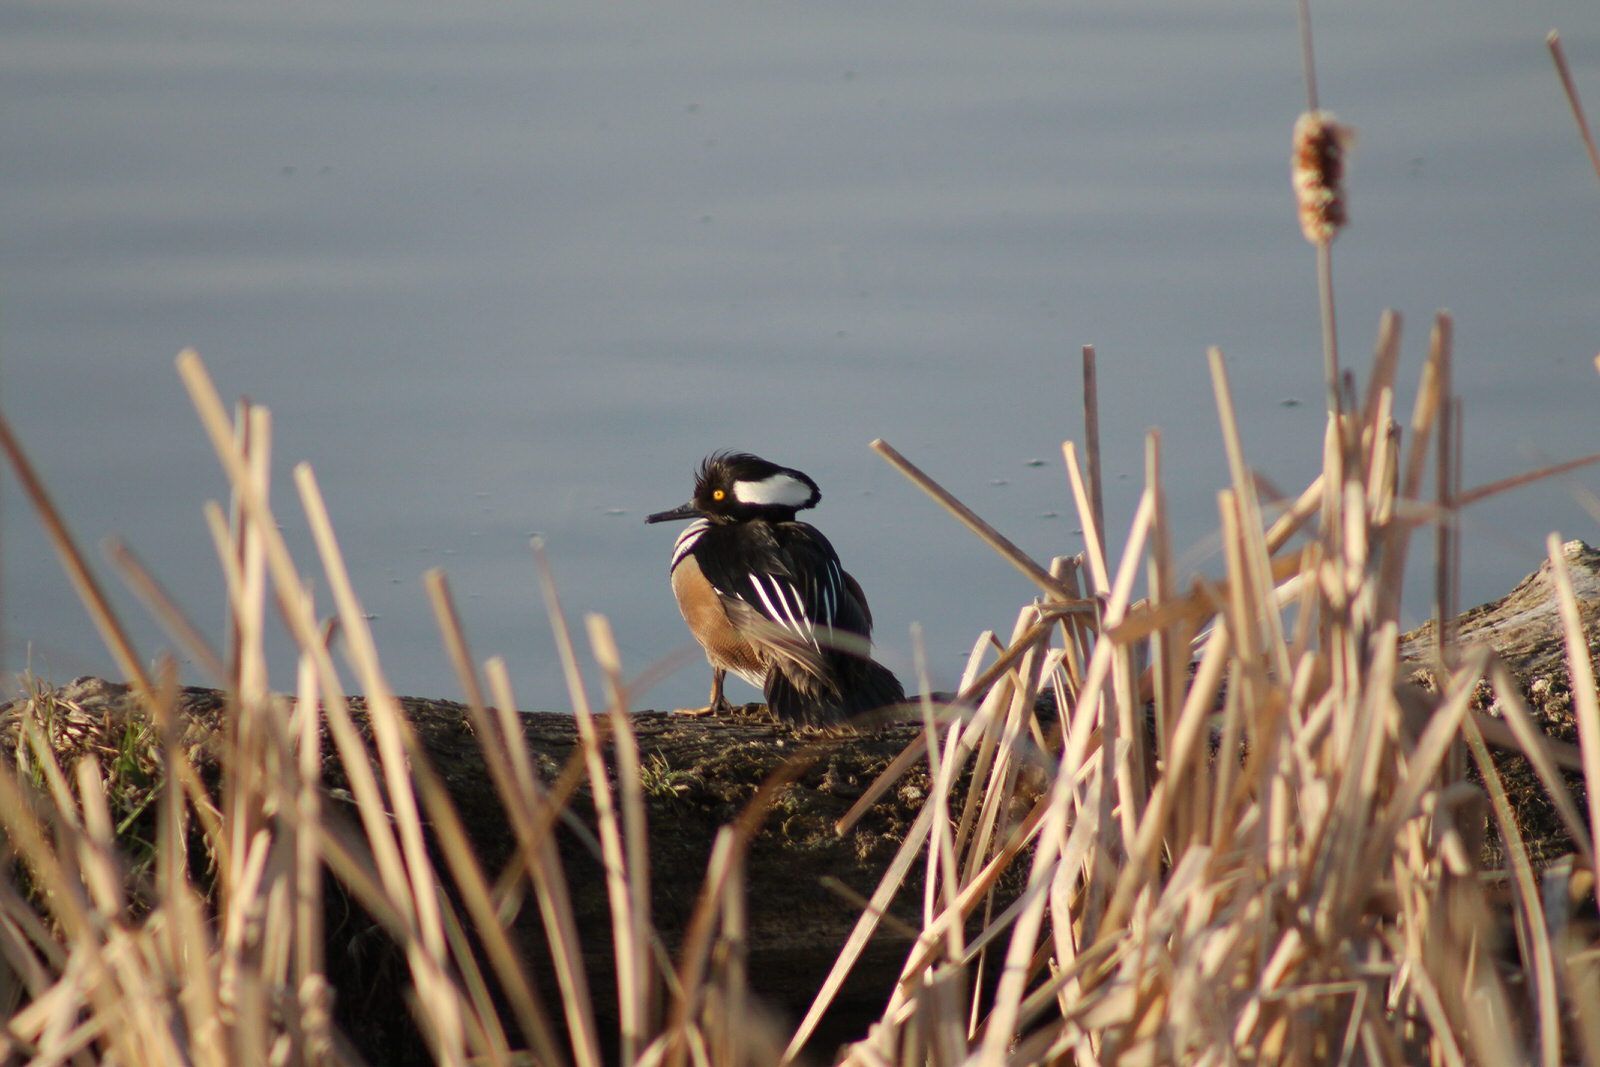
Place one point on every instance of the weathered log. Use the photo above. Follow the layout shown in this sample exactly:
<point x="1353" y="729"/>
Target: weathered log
<point x="1524" y="629"/>
<point x="1524" y="626"/>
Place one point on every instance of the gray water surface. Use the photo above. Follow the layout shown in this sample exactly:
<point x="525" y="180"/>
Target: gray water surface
<point x="512" y="269"/>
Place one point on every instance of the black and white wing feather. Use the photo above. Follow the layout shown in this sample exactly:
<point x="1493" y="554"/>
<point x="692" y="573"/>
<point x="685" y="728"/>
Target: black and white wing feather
<point x="785" y="580"/>
<point x="784" y="590"/>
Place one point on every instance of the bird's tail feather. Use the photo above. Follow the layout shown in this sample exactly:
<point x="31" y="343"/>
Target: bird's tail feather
<point x="870" y="686"/>
<point x="863" y="685"/>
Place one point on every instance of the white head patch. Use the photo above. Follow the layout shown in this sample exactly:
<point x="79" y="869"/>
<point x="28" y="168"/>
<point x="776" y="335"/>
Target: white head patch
<point x="780" y="490"/>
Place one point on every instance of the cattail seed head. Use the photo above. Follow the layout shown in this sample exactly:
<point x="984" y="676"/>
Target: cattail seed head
<point x="1317" y="168"/>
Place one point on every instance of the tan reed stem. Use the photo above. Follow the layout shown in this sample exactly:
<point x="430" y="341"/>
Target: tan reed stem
<point x="1559" y="56"/>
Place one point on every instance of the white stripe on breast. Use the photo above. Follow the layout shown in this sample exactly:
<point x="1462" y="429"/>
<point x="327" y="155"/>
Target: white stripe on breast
<point x="685" y="543"/>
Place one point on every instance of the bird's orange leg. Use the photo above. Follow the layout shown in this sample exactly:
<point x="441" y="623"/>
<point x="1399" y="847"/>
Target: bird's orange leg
<point x="717" y="704"/>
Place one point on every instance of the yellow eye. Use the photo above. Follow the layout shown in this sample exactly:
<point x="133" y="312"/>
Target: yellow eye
<point x="717" y="494"/>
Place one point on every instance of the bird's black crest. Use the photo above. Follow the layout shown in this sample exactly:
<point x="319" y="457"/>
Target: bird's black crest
<point x="752" y="482"/>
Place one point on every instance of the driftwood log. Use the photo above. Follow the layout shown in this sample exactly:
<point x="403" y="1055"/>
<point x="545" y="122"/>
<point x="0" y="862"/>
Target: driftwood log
<point x="700" y="773"/>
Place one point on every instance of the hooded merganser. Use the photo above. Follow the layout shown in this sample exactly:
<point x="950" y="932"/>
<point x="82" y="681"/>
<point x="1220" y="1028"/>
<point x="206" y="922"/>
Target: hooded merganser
<point x="766" y="597"/>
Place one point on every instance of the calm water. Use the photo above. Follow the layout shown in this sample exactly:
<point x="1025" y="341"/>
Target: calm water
<point x="504" y="269"/>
